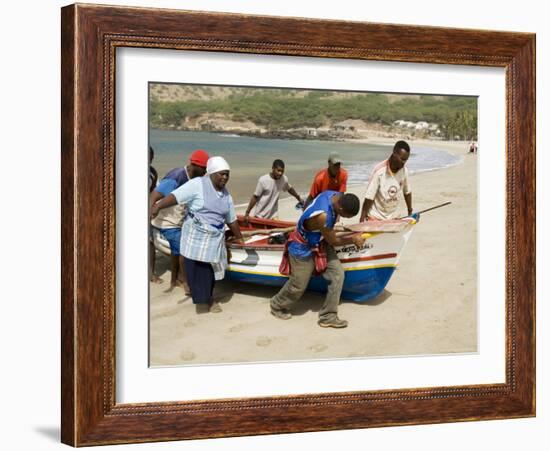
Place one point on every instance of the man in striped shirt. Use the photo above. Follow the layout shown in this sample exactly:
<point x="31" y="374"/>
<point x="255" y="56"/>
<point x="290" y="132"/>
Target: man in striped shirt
<point x="388" y="179"/>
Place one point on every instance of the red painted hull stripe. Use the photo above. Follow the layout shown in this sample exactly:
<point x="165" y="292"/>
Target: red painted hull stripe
<point x="364" y="259"/>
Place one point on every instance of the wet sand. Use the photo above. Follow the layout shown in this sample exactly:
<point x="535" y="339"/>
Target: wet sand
<point x="429" y="306"/>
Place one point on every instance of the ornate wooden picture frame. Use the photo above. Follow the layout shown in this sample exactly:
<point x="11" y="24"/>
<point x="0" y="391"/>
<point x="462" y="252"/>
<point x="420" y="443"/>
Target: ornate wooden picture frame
<point x="90" y="37"/>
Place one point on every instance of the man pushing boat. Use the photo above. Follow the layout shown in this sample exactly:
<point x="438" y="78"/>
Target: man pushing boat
<point x="266" y="195"/>
<point x="310" y="250"/>
<point x="334" y="178"/>
<point x="169" y="221"/>
<point x="388" y="179"/>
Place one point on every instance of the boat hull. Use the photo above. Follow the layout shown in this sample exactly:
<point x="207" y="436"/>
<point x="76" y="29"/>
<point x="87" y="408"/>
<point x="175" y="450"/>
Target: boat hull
<point x="359" y="286"/>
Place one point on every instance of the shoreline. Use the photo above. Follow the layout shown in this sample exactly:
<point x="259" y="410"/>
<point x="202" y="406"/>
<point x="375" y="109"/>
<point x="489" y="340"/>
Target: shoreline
<point x="450" y="147"/>
<point x="303" y="158"/>
<point x="367" y="136"/>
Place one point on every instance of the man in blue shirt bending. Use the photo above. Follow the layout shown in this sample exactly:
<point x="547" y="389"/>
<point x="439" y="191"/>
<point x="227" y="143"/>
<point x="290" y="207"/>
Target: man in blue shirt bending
<point x="310" y="249"/>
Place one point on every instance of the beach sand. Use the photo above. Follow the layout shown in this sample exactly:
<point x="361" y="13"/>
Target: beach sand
<point x="429" y="305"/>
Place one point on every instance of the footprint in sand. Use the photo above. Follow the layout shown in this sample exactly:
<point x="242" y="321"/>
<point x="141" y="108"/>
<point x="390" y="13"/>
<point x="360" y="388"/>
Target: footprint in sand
<point x="318" y="348"/>
<point x="189" y="323"/>
<point x="237" y="328"/>
<point x="450" y="194"/>
<point x="263" y="341"/>
<point x="187" y="355"/>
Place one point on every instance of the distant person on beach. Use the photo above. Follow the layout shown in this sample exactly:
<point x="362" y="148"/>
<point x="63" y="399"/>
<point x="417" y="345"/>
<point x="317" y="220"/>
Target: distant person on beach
<point x="153" y="178"/>
<point x="388" y="179"/>
<point x="334" y="178"/>
<point x="310" y="250"/>
<point x="473" y="147"/>
<point x="209" y="208"/>
<point x="266" y="195"/>
<point x="169" y="222"/>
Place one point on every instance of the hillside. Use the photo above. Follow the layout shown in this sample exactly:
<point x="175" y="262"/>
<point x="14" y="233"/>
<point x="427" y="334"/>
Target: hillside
<point x="293" y="113"/>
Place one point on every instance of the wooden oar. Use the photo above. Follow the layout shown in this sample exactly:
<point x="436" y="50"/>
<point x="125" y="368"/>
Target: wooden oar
<point x="247" y="233"/>
<point x="429" y="209"/>
<point x="433" y="208"/>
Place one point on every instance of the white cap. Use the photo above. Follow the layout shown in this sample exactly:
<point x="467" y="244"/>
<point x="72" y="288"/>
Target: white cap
<point x="334" y="158"/>
<point x="216" y="164"/>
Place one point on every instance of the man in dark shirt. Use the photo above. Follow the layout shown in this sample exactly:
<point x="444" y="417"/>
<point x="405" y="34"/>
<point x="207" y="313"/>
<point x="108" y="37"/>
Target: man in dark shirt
<point x="170" y="220"/>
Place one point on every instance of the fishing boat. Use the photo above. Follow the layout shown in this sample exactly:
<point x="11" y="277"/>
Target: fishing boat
<point x="367" y="269"/>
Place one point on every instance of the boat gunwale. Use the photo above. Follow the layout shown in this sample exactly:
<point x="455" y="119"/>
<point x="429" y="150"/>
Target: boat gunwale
<point x="275" y="223"/>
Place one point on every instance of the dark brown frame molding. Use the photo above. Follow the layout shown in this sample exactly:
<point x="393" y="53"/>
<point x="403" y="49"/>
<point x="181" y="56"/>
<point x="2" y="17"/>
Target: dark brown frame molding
<point x="90" y="36"/>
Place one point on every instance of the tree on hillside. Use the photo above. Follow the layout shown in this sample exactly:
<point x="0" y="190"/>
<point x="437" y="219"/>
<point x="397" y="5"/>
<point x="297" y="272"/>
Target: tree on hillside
<point x="462" y="125"/>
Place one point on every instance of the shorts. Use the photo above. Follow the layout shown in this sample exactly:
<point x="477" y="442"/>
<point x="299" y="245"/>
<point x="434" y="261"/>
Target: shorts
<point x="173" y="236"/>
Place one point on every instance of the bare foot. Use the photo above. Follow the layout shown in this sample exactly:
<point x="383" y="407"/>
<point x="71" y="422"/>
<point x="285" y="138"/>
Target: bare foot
<point x="215" y="307"/>
<point x="185" y="286"/>
<point x="186" y="290"/>
<point x="156" y="279"/>
<point x="170" y="288"/>
<point x="180" y="284"/>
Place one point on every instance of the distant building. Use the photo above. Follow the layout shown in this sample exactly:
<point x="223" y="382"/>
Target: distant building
<point x="421" y="125"/>
<point x="311" y="131"/>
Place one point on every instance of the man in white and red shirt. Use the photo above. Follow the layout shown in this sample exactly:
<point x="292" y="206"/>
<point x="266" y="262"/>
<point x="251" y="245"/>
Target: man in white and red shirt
<point x="388" y="179"/>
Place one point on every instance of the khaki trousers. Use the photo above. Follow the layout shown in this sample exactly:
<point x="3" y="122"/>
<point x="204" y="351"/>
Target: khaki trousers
<point x="300" y="274"/>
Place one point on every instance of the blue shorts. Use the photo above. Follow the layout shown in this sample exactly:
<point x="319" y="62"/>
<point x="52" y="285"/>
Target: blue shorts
<point x="173" y="236"/>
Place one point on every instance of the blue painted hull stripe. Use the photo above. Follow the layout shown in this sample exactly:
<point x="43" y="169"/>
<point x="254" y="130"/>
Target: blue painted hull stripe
<point x="359" y="285"/>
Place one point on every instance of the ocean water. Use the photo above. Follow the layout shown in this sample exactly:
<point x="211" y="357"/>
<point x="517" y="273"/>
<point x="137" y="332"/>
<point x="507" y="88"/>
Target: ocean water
<point x="251" y="157"/>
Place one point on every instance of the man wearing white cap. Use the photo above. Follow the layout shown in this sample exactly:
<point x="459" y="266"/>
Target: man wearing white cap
<point x="210" y="207"/>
